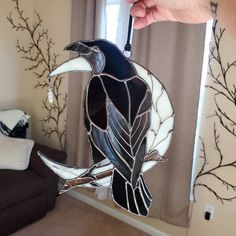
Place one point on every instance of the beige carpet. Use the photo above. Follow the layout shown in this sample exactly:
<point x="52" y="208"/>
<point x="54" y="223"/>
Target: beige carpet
<point x="74" y="218"/>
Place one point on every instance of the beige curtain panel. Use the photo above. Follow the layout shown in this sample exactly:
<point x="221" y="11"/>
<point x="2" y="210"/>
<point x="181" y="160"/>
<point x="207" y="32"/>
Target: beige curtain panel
<point x="174" y="53"/>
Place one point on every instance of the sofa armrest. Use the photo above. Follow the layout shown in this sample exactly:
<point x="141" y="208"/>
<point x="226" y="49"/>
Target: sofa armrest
<point x="37" y="165"/>
<point x="54" y="154"/>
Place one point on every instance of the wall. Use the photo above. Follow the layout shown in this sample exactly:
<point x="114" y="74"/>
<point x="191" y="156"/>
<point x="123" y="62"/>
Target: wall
<point x="16" y="83"/>
<point x="217" y="133"/>
<point x="56" y="17"/>
<point x="17" y="90"/>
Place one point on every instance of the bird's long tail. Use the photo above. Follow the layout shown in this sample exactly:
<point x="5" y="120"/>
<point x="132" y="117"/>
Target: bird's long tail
<point x="134" y="199"/>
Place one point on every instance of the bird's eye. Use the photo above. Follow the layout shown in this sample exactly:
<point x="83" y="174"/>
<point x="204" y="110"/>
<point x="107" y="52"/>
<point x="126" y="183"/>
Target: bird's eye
<point x="96" y="49"/>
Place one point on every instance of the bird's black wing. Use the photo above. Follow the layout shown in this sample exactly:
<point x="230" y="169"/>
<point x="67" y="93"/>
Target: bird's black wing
<point x="124" y="144"/>
<point x="95" y="113"/>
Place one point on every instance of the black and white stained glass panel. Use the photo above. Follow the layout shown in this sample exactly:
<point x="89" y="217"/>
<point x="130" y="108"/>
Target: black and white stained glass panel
<point x="128" y="117"/>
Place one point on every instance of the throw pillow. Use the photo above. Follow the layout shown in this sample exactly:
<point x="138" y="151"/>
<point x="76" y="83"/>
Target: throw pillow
<point x="15" y="153"/>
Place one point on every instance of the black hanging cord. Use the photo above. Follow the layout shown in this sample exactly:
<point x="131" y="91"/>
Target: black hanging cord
<point x="128" y="42"/>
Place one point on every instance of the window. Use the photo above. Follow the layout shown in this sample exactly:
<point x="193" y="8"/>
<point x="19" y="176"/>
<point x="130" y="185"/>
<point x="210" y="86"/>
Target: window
<point x="112" y="14"/>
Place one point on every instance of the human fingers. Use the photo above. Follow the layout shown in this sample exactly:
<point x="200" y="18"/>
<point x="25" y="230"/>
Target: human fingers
<point x="148" y="3"/>
<point x="151" y="16"/>
<point x="132" y="1"/>
<point x="141" y="8"/>
<point x="138" y="10"/>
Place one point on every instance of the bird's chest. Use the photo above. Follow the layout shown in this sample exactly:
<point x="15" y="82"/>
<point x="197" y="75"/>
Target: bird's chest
<point x="126" y="95"/>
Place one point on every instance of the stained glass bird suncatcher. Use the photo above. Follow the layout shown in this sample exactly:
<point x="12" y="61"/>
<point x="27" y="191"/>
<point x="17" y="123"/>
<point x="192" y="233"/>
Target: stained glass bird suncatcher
<point x="129" y="121"/>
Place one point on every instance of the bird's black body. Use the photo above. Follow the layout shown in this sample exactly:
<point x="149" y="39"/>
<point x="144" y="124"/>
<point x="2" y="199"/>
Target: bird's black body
<point x="117" y="116"/>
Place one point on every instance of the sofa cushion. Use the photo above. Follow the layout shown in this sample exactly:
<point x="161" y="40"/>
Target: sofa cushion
<point x="15" y="153"/>
<point x="17" y="187"/>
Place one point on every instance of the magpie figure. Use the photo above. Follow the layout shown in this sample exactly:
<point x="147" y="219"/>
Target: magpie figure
<point x="117" y="106"/>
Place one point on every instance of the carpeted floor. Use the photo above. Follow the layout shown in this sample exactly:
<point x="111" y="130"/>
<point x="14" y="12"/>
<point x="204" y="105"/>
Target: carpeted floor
<point x="74" y="218"/>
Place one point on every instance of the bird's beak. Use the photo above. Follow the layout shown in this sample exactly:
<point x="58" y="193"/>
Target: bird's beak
<point x="76" y="64"/>
<point x="89" y="59"/>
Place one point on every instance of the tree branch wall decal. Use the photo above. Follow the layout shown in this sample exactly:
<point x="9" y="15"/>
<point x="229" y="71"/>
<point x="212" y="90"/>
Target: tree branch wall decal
<point x="221" y="85"/>
<point x="204" y="171"/>
<point x="39" y="53"/>
<point x="224" y="90"/>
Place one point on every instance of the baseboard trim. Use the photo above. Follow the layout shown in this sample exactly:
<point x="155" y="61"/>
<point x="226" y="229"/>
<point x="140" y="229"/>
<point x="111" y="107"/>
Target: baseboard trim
<point x="114" y="213"/>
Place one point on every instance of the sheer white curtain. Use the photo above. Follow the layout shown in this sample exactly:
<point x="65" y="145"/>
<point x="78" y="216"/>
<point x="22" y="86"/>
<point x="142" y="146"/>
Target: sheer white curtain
<point x="123" y="21"/>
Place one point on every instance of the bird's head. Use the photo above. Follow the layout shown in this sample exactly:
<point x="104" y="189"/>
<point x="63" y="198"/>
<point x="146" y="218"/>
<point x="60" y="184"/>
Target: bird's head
<point x="97" y="56"/>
